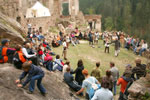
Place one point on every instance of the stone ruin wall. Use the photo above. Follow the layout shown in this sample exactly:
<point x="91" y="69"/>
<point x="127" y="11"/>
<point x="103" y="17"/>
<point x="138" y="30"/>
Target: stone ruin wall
<point x="95" y="19"/>
<point x="44" y="22"/>
<point x="18" y="8"/>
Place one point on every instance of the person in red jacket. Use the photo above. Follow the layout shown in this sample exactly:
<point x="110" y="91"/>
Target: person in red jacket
<point x="6" y="54"/>
<point x="123" y="81"/>
<point x="19" y="57"/>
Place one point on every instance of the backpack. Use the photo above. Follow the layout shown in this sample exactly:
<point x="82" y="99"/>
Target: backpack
<point x="126" y="93"/>
<point x="1" y="48"/>
<point x="93" y="89"/>
<point x="17" y="62"/>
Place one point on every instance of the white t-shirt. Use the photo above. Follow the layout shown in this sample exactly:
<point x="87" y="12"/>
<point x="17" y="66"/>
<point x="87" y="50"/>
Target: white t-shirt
<point x="144" y="46"/>
<point x="64" y="44"/>
<point x="64" y="68"/>
<point x="67" y="39"/>
<point x="103" y="94"/>
<point x="24" y="51"/>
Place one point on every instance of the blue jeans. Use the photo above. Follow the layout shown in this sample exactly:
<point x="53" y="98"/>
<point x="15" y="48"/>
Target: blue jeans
<point x="39" y="85"/>
<point x="135" y="50"/>
<point x="49" y="65"/>
<point x="142" y="50"/>
<point x="114" y="87"/>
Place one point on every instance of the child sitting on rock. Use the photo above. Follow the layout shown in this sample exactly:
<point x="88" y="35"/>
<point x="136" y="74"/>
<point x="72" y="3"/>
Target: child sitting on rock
<point x="34" y="73"/>
<point x="58" y="64"/>
<point x="48" y="62"/>
<point x="19" y="58"/>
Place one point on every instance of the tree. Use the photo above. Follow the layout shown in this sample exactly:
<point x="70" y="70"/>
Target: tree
<point x="108" y="24"/>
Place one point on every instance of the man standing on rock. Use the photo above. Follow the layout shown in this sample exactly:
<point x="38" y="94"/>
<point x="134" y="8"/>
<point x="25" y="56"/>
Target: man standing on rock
<point x="115" y="74"/>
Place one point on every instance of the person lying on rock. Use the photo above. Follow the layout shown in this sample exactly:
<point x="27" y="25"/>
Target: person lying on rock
<point x="34" y="73"/>
<point x="6" y="53"/>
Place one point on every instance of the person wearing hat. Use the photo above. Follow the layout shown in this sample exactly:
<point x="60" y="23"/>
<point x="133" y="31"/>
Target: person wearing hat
<point x="87" y="83"/>
<point x="6" y="54"/>
<point x="139" y="70"/>
<point x="34" y="73"/>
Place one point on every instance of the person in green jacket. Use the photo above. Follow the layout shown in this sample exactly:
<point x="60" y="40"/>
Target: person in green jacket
<point x="96" y="72"/>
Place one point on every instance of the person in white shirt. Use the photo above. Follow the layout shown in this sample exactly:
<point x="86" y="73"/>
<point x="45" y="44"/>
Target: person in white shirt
<point x="96" y="38"/>
<point x="107" y="45"/>
<point x="104" y="93"/>
<point x="64" y="50"/>
<point x="143" y="48"/>
<point x="57" y="64"/>
<point x="29" y="56"/>
<point x="67" y="64"/>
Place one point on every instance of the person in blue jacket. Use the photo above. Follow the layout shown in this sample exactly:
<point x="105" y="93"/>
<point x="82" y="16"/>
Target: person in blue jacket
<point x="34" y="73"/>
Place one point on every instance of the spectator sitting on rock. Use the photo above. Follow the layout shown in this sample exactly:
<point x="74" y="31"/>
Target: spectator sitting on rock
<point x="58" y="64"/>
<point x="67" y="64"/>
<point x="6" y="53"/>
<point x="27" y="52"/>
<point x="48" y="62"/>
<point x="34" y="73"/>
<point x="19" y="57"/>
<point x="143" y="48"/>
<point x="69" y="79"/>
<point x="45" y="44"/>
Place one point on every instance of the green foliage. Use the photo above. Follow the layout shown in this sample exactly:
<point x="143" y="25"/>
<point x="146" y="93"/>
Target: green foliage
<point x="65" y="9"/>
<point x="146" y="96"/>
<point x="130" y="16"/>
<point x="108" y="24"/>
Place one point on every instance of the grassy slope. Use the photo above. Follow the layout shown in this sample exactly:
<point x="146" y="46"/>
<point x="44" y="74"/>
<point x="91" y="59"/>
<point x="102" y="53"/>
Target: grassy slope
<point x="91" y="55"/>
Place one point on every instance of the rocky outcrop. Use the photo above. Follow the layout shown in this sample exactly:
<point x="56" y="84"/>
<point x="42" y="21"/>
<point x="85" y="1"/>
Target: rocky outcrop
<point x="56" y="89"/>
<point x="139" y="88"/>
<point x="9" y="28"/>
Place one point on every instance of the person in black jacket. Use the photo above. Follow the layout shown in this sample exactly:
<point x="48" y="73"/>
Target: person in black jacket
<point x="139" y="70"/>
<point x="79" y="77"/>
<point x="69" y="80"/>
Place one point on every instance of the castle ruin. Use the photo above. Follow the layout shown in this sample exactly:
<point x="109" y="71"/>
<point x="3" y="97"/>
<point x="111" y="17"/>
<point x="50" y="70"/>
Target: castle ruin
<point x="17" y="10"/>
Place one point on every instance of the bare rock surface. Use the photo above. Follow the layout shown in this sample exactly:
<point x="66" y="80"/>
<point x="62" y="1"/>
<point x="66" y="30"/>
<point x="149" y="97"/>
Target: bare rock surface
<point x="53" y="82"/>
<point x="139" y="88"/>
<point x="9" y="28"/>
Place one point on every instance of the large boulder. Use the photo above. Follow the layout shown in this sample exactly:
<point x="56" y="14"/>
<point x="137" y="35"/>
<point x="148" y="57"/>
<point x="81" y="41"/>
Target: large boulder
<point x="53" y="82"/>
<point x="11" y="29"/>
<point x="139" y="88"/>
